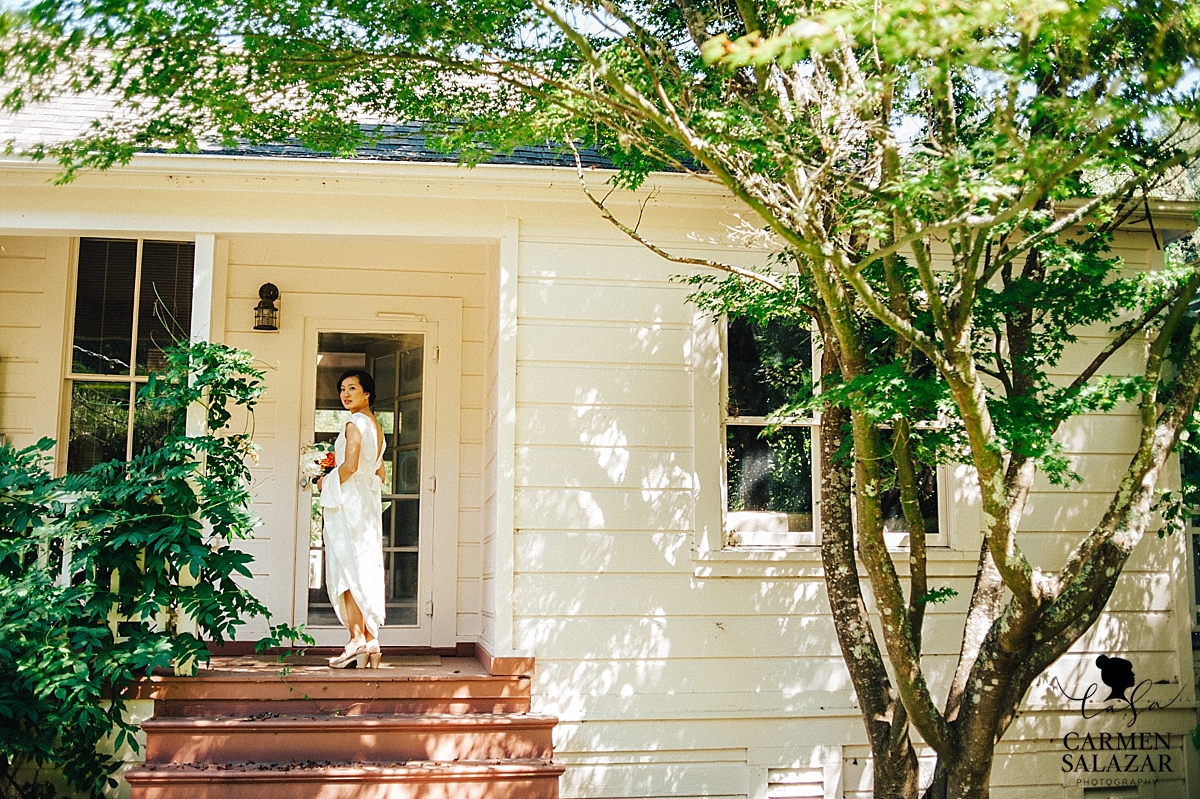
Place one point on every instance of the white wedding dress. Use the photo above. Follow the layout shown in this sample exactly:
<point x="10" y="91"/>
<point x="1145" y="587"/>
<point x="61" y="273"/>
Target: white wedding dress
<point x="353" y="513"/>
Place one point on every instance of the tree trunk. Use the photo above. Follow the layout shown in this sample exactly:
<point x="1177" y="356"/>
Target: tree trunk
<point x="965" y="778"/>
<point x="894" y="761"/>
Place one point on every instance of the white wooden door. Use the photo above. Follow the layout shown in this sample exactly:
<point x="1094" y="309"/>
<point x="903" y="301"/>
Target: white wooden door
<point x="418" y="518"/>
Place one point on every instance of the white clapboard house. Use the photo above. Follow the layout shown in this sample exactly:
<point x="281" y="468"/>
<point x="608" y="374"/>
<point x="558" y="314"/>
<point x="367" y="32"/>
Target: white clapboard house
<point x="557" y="421"/>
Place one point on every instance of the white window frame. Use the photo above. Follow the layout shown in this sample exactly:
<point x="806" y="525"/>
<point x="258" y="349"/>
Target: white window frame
<point x="133" y="379"/>
<point x="710" y="361"/>
<point x="1193" y="530"/>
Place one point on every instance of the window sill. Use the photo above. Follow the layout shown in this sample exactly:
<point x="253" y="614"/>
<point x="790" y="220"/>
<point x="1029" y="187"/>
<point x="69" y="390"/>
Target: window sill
<point x="759" y="562"/>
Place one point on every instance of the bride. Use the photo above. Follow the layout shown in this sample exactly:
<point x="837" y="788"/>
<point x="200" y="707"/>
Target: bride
<point x="351" y="502"/>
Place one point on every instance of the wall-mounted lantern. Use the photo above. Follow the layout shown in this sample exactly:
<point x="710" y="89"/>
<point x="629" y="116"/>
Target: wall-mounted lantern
<point x="266" y="315"/>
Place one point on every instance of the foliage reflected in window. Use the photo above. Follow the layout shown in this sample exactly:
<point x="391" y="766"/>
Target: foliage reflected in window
<point x="1189" y="466"/>
<point x="769" y="452"/>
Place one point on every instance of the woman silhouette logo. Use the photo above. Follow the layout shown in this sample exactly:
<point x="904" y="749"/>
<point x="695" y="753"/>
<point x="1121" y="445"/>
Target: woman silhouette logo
<point x="1117" y="674"/>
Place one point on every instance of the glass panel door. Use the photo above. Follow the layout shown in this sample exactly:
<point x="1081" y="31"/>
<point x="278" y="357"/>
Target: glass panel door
<point x="397" y="367"/>
<point x="396" y="363"/>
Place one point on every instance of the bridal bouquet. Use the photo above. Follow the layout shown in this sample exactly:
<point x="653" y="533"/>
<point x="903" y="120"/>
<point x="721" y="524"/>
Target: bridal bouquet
<point x="316" y="460"/>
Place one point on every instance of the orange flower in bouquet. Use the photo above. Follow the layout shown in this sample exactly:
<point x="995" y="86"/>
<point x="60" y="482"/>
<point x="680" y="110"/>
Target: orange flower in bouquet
<point x="316" y="459"/>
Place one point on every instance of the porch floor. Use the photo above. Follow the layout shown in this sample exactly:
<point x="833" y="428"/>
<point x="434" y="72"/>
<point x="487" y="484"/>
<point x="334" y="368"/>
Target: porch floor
<point x="304" y="684"/>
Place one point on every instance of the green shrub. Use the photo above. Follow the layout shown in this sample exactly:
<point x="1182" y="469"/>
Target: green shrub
<point x="100" y="573"/>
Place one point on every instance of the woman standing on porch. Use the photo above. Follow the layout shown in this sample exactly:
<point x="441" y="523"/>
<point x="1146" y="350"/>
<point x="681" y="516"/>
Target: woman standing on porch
<point x="351" y="502"/>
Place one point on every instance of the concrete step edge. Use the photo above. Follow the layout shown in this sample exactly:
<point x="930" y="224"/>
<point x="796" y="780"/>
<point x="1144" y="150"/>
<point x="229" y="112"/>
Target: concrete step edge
<point x="380" y="722"/>
<point x="335" y="771"/>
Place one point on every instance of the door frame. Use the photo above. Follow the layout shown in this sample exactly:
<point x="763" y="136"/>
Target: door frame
<point x="440" y="320"/>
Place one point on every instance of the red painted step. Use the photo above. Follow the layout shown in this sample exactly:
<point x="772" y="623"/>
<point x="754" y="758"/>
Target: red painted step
<point x="382" y="738"/>
<point x="247" y="729"/>
<point x="508" y="779"/>
<point x="460" y="686"/>
<point x="308" y="695"/>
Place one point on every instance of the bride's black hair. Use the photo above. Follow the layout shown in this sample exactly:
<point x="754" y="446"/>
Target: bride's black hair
<point x="364" y="379"/>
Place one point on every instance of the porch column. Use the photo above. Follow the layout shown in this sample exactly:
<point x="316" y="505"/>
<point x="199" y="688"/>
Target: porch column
<point x="202" y="329"/>
<point x="208" y="304"/>
<point x="506" y="412"/>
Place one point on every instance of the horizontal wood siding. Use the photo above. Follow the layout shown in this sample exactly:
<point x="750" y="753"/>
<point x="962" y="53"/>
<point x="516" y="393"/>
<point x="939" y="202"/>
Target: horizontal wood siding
<point x="33" y="317"/>
<point x="638" y="653"/>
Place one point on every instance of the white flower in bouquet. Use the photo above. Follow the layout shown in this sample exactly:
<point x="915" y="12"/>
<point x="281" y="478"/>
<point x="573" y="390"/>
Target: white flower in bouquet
<point x="315" y="459"/>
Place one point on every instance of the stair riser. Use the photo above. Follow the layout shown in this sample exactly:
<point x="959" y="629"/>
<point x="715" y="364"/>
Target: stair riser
<point x="536" y="788"/>
<point x="215" y="746"/>
<point x="339" y="689"/>
<point x="212" y="708"/>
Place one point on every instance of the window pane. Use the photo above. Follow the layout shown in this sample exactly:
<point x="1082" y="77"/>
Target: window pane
<point x="770" y="478"/>
<point x="768" y="366"/>
<point x="384" y="372"/>
<point x="401" y="586"/>
<point x="408" y="471"/>
<point x="99" y="424"/>
<point x="410" y="422"/>
<point x="320" y="611"/>
<point x="893" y="513"/>
<point x="411" y="366"/>
<point x="408" y="522"/>
<point x="1196" y="568"/>
<point x="104" y="307"/>
<point x="331" y="422"/>
<point x="165" y="305"/>
<point x="151" y="427"/>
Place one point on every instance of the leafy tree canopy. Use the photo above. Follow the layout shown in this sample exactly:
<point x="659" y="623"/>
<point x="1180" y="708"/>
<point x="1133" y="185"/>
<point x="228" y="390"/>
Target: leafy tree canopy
<point x="939" y="182"/>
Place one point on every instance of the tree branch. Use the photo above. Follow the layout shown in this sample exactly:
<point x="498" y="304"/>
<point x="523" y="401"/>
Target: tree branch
<point x="1152" y="449"/>
<point x="905" y="659"/>
<point x="632" y="233"/>
<point x="1120" y="341"/>
<point x="695" y="21"/>
<point x="885" y="314"/>
<point x="1081" y="213"/>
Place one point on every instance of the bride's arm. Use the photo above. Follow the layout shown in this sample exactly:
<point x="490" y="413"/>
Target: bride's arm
<point x="353" y="448"/>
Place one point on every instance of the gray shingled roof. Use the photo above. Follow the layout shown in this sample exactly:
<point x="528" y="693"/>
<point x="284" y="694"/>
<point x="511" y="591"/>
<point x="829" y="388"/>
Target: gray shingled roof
<point x="407" y="143"/>
<point x="71" y="116"/>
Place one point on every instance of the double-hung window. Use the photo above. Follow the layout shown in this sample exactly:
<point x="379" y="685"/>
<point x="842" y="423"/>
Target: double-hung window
<point x="772" y="468"/>
<point x="770" y="479"/>
<point x="1193" y="529"/>
<point x="1189" y="463"/>
<point x="132" y="299"/>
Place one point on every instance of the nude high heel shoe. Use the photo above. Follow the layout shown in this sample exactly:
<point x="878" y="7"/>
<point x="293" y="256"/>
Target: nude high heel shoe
<point x="355" y="655"/>
<point x="373" y="654"/>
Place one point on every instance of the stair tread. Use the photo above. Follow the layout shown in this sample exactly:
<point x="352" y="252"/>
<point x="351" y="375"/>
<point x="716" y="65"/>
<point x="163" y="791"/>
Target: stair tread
<point x="346" y="769"/>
